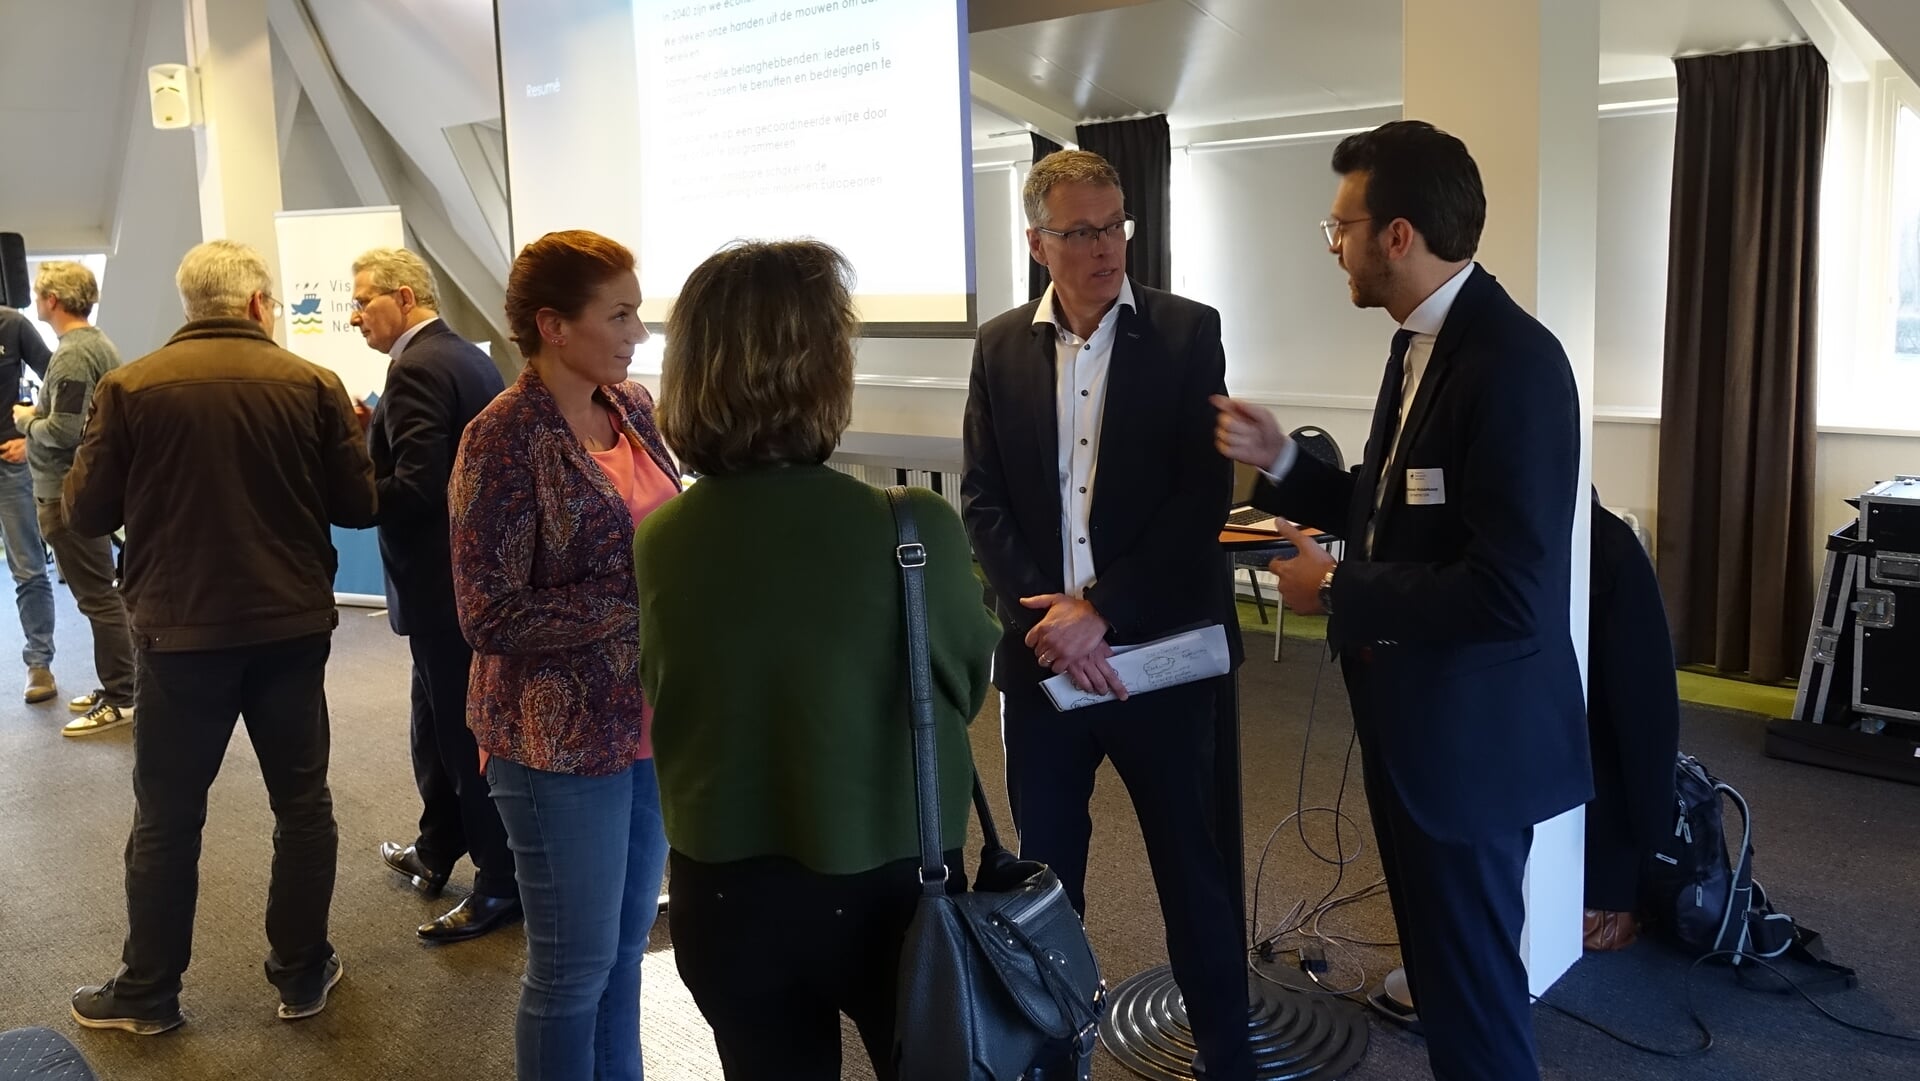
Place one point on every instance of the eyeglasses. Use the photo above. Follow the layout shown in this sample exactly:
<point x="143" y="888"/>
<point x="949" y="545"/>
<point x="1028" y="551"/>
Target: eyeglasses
<point x="1332" y="227"/>
<point x="360" y="305"/>
<point x="267" y="299"/>
<point x="1088" y="236"/>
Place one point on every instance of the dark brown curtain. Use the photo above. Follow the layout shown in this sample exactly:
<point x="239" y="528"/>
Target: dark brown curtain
<point x="1037" y="276"/>
<point x="1142" y="151"/>
<point x="1737" y="433"/>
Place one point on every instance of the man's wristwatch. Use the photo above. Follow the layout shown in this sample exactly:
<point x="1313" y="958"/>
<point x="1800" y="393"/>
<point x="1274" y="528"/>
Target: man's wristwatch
<point x="1326" y="590"/>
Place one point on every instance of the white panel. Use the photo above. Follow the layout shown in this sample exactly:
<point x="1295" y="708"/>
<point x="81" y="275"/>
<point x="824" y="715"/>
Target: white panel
<point x="1636" y="187"/>
<point x="1247" y="242"/>
<point x="994" y="228"/>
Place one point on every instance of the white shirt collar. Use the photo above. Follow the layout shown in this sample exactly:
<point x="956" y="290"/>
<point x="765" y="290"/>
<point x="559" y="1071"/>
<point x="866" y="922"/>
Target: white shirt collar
<point x="1044" y="314"/>
<point x="1431" y="315"/>
<point x="406" y="338"/>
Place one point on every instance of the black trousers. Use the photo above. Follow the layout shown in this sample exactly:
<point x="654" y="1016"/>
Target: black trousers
<point x="1614" y="855"/>
<point x="187" y="704"/>
<point x="1459" y="908"/>
<point x="774" y="953"/>
<point x="457" y="817"/>
<point x="1162" y="746"/>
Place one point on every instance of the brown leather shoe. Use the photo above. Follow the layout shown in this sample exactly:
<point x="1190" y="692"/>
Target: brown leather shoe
<point x="1603" y="932"/>
<point x="40" y="685"/>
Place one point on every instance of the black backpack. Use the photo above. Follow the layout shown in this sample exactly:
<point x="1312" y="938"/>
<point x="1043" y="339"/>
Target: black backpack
<point x="1705" y="903"/>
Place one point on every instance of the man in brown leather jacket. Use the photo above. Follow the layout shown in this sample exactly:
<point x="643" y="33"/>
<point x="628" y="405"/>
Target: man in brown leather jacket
<point x="226" y="458"/>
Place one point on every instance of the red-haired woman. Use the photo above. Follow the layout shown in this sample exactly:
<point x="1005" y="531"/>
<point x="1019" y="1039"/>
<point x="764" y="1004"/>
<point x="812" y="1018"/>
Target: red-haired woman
<point x="550" y="480"/>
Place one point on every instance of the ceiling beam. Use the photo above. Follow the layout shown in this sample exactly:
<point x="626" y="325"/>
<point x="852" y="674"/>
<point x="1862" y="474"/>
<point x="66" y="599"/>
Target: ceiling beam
<point x="994" y="14"/>
<point x="133" y="91"/>
<point x="286" y="95"/>
<point x="1021" y="109"/>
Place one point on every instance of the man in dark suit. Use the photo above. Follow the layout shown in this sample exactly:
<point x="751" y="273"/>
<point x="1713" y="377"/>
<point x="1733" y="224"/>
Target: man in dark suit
<point x="436" y="383"/>
<point x="1094" y="502"/>
<point x="1633" y="729"/>
<point x="1450" y="612"/>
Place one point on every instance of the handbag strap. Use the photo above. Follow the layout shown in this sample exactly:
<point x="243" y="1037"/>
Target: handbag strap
<point x="911" y="556"/>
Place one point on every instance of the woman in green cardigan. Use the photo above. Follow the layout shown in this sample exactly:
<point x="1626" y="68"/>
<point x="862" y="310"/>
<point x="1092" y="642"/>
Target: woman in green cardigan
<point x="773" y="654"/>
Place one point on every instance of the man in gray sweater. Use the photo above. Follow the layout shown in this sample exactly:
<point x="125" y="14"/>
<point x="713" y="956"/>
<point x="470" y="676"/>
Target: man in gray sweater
<point x="64" y="296"/>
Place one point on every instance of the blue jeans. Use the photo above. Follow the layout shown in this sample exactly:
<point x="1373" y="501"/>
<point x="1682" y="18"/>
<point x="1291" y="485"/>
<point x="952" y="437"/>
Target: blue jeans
<point x="589" y="853"/>
<point x="27" y="558"/>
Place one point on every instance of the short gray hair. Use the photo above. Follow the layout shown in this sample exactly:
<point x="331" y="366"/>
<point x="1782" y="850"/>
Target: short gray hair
<point x="397" y="268"/>
<point x="1064" y="167"/>
<point x="71" y="286"/>
<point x="218" y="277"/>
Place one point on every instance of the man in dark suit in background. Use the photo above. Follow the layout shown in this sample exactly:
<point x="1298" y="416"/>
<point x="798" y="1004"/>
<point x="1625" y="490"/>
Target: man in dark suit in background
<point x="436" y="384"/>
<point x="1633" y="729"/>
<point x="1094" y="502"/>
<point x="1450" y="613"/>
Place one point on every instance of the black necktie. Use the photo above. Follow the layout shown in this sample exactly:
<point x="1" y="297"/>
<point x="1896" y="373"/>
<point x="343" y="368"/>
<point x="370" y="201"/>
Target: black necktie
<point x="1386" y="425"/>
<point x="1386" y="413"/>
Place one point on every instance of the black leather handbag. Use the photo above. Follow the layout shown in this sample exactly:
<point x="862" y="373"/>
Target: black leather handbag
<point x="998" y="979"/>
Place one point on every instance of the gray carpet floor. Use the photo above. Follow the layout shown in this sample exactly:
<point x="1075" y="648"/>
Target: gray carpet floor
<point x="1836" y="850"/>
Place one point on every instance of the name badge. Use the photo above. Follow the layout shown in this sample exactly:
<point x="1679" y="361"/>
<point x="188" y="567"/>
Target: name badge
<point x="1426" y="487"/>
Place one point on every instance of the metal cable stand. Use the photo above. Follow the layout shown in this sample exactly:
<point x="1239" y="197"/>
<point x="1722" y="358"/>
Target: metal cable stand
<point x="1297" y="1030"/>
<point x="1294" y="1033"/>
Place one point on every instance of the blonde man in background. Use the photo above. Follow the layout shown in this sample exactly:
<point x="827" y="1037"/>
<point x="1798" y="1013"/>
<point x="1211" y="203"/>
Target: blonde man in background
<point x="64" y="298"/>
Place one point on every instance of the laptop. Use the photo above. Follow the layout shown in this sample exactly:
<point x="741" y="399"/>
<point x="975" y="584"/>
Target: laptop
<point x="1245" y="517"/>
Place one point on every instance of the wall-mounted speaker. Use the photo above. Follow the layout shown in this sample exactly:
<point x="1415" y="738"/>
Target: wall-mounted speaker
<point x="170" y="94"/>
<point x="16" y="289"/>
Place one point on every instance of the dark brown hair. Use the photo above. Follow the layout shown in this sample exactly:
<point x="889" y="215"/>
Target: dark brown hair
<point x="559" y="271"/>
<point x="1418" y="172"/>
<point x="758" y="365"/>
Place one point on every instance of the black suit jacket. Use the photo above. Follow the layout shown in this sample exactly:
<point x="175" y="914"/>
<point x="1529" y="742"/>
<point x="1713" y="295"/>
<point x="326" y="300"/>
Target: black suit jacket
<point x="1161" y="491"/>
<point x="1454" y="632"/>
<point x="438" y="384"/>
<point x="1633" y="696"/>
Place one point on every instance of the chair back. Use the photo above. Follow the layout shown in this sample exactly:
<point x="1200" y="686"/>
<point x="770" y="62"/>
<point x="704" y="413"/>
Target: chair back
<point x="1317" y="443"/>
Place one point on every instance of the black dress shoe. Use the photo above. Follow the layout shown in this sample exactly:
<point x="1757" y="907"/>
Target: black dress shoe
<point x="407" y="861"/>
<point x="472" y="918"/>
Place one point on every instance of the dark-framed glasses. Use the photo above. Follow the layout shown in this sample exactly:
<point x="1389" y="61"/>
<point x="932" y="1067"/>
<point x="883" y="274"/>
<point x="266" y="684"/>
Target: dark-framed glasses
<point x="1088" y="236"/>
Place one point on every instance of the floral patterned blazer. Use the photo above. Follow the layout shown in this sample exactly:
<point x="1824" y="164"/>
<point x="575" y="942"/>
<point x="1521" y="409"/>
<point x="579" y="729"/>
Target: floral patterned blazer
<point x="543" y="579"/>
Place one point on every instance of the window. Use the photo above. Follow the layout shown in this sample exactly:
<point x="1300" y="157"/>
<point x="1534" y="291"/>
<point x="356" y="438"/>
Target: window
<point x="1869" y="359"/>
<point x="1904" y="266"/>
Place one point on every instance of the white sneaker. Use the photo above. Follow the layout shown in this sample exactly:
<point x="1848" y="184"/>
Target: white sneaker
<point x="102" y="718"/>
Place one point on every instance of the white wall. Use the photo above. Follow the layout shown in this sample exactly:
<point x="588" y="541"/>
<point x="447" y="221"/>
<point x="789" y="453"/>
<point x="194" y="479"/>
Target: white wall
<point x="311" y="176"/>
<point x="1246" y="241"/>
<point x="159" y="213"/>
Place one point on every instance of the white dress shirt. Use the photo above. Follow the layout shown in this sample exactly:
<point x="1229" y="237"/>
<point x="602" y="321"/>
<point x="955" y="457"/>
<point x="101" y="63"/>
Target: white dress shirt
<point x="406" y="337"/>
<point x="1425" y="323"/>
<point x="1080" y="398"/>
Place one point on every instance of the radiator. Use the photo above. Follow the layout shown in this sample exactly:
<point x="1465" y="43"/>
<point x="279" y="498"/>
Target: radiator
<point x="946" y="484"/>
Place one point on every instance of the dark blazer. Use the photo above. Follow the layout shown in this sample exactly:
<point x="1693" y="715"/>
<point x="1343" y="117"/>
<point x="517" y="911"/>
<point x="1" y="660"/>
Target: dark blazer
<point x="1633" y="696"/>
<point x="1465" y="686"/>
<point x="438" y="385"/>
<point x="1161" y="490"/>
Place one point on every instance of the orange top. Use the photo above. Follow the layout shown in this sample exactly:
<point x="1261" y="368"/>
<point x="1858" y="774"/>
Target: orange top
<point x="643" y="486"/>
